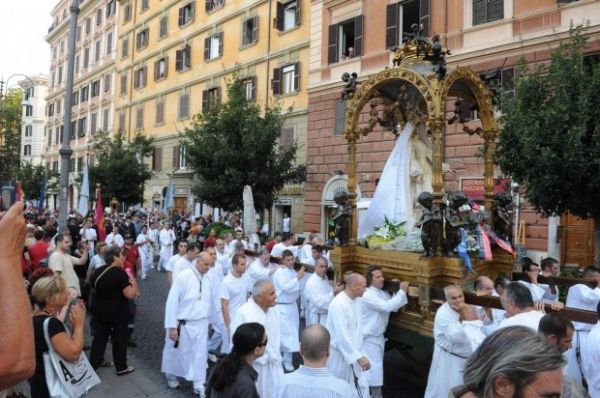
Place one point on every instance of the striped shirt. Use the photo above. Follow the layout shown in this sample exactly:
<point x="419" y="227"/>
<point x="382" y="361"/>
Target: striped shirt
<point x="308" y="382"/>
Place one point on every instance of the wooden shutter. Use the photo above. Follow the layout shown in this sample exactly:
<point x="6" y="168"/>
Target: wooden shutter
<point x="157" y="159"/>
<point x="358" y="36"/>
<point x="279" y="18"/>
<point x="208" y="5"/>
<point x="160" y="111"/>
<point x="254" y="29"/>
<point x="163" y="27"/>
<point x="276" y="81"/>
<point x="479" y="12"/>
<point x="298" y="13"/>
<point x="207" y="47"/>
<point x="145" y="75"/>
<point x="392" y="22"/>
<point x="424" y="15"/>
<point x="156" y="73"/>
<point x="217" y="97"/>
<point x="495" y="10"/>
<point x="166" y="60"/>
<point x="180" y="18"/>
<point x="220" y="43"/>
<point x="187" y="60"/>
<point x="297" y="76"/>
<point x="204" y="101"/>
<point x="253" y="79"/>
<point x="178" y="63"/>
<point x="192" y="11"/>
<point x="332" y="47"/>
<point x="176" y="157"/>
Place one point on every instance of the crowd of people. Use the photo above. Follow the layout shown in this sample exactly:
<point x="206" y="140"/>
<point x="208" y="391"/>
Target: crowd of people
<point x="281" y="329"/>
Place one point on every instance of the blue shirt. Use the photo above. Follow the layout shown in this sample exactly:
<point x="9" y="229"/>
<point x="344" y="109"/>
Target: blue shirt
<point x="308" y="382"/>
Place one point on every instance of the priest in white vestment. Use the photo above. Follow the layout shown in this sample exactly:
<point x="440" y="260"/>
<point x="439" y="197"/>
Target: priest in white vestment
<point x="347" y="360"/>
<point x="187" y="319"/>
<point x="376" y="305"/>
<point x="452" y="344"/>
<point x="318" y="294"/>
<point x="166" y="238"/>
<point x="260" y="308"/>
<point x="581" y="297"/>
<point x="286" y="281"/>
<point x="144" y="245"/>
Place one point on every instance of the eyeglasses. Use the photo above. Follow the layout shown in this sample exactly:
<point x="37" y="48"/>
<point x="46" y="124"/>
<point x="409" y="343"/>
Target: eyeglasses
<point x="265" y="343"/>
<point x="542" y="396"/>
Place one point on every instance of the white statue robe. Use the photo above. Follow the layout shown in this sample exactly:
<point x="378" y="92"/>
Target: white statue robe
<point x="268" y="366"/>
<point x="451" y="350"/>
<point x="166" y="237"/>
<point x="344" y="322"/>
<point x="590" y="358"/>
<point x="188" y="300"/>
<point x="287" y="289"/>
<point x="584" y="298"/>
<point x="146" y="253"/>
<point x="257" y="271"/>
<point x="318" y="294"/>
<point x="376" y="306"/>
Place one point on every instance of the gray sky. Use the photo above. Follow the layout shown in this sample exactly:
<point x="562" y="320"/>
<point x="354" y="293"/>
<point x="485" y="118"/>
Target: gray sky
<point x="23" y="26"/>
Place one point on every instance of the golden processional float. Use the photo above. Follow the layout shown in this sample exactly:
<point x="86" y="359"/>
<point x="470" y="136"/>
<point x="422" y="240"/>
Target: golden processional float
<point x="416" y="89"/>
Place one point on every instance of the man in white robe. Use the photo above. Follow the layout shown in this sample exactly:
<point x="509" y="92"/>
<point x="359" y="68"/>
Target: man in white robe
<point x="550" y="267"/>
<point x="519" y="305"/>
<point x="144" y="245"/>
<point x="376" y="306"/>
<point x="186" y="261"/>
<point x="153" y="236"/>
<point x="166" y="238"/>
<point x="452" y="345"/>
<point x="261" y="268"/>
<point x="287" y="287"/>
<point x="233" y="294"/>
<point x="114" y="238"/>
<point x="287" y="241"/>
<point x="223" y="257"/>
<point x="344" y="322"/>
<point x="590" y="358"/>
<point x="215" y="276"/>
<point x="318" y="294"/>
<point x="260" y="308"/>
<point x="187" y="319"/>
<point x="581" y="297"/>
<point x="170" y="264"/>
<point x="532" y="271"/>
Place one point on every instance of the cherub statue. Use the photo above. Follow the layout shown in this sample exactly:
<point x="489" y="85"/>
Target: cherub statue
<point x="438" y="56"/>
<point x="429" y="223"/>
<point x="454" y="220"/>
<point x="341" y="218"/>
<point x="351" y="83"/>
<point x="502" y="209"/>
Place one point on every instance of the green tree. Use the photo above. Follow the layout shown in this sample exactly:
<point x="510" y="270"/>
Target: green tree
<point x="120" y="169"/>
<point x="10" y="134"/>
<point x="32" y="177"/>
<point x="235" y="144"/>
<point x="550" y="139"/>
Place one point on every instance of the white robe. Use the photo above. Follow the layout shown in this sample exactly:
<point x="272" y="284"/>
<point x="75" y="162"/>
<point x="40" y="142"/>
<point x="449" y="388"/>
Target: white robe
<point x="537" y="291"/>
<point x="318" y="294"/>
<point x="584" y="298"/>
<point x="530" y="319"/>
<point x="268" y="366"/>
<point x="215" y="276"/>
<point x="146" y="254"/>
<point x="287" y="289"/>
<point x="225" y="260"/>
<point x="344" y="322"/>
<point x="376" y="306"/>
<point x="189" y="300"/>
<point x="280" y="247"/>
<point x="452" y="348"/>
<point x="257" y="271"/>
<point x="153" y="235"/>
<point x="179" y="265"/>
<point x="590" y="358"/>
<point x="166" y="238"/>
<point x="235" y="291"/>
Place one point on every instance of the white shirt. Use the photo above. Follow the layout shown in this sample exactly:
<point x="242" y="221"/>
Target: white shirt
<point x="235" y="291"/>
<point x="97" y="261"/>
<point x="376" y="307"/>
<point x="166" y="237"/>
<point x="318" y="294"/>
<point x="584" y="298"/>
<point x="215" y="275"/>
<point x="181" y="264"/>
<point x="537" y="291"/>
<point x="345" y="326"/>
<point x="280" y="247"/>
<point x="188" y="299"/>
<point x="285" y="224"/>
<point x="257" y="271"/>
<point x="530" y="319"/>
<point x="225" y="260"/>
<point x="590" y="358"/>
<point x="114" y="240"/>
<point x="88" y="234"/>
<point x="286" y="284"/>
<point x="145" y="246"/>
<point x="170" y="265"/>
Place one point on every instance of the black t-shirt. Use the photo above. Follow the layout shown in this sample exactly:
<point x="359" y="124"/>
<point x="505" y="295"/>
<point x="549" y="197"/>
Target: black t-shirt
<point x="108" y="302"/>
<point x="55" y="327"/>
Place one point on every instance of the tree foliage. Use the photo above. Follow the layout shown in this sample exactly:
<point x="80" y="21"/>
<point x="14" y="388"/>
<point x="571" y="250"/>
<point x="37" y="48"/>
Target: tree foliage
<point x="236" y="144"/>
<point x="32" y="177"/>
<point x="119" y="168"/>
<point x="550" y="139"/>
<point x="10" y="134"/>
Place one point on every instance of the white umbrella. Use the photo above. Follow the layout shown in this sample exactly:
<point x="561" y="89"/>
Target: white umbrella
<point x="250" y="217"/>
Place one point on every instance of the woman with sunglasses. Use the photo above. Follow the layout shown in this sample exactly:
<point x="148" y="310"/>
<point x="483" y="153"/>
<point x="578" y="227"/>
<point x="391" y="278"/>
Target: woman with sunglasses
<point x="234" y="376"/>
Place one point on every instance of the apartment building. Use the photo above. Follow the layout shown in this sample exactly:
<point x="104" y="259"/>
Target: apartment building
<point x="33" y="118"/>
<point x="174" y="60"/>
<point x="488" y="35"/>
<point x="93" y="85"/>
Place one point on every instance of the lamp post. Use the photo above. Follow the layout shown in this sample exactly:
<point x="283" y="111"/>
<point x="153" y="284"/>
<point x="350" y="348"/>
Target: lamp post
<point x="65" y="149"/>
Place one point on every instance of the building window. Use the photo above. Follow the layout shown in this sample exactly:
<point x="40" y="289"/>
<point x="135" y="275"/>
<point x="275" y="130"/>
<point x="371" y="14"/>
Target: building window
<point x="161" y="68"/>
<point x="58" y="106"/>
<point x="95" y="88"/>
<point x="50" y="110"/>
<point x="27" y="150"/>
<point x="55" y="165"/>
<point x="286" y="79"/>
<point x="186" y="14"/>
<point x="85" y="93"/>
<point x="288" y="15"/>
<point x="49" y="137"/>
<point x="60" y="74"/>
<point x="140" y="77"/>
<point x="250" y="88"/>
<point x="93" y="123"/>
<point x="62" y="47"/>
<point x="211" y="5"/>
<point x="400" y="17"/>
<point x="80" y="163"/>
<point x="485" y="11"/>
<point x="28" y="131"/>
<point x="163" y="30"/>
<point x="123" y="84"/>
<point x="182" y="162"/>
<point x="86" y="57"/>
<point x="109" y="43"/>
<point x="345" y="39"/>
<point x="78" y="34"/>
<point x="160" y="113"/>
<point x="122" y="122"/>
<point x="81" y="127"/>
<point x="286" y="139"/>
<point x="145" y="5"/>
<point x="157" y="159"/>
<point x="184" y="107"/>
<point x="111" y="8"/>
<point x="141" y="40"/>
<point x="127" y="13"/>
<point x="88" y="26"/>
<point x="76" y="67"/>
<point x="98" y="17"/>
<point x="125" y="48"/>
<point x="107" y="81"/>
<point x="105" y="119"/>
<point x="250" y="31"/>
<point x="29" y="93"/>
<point x="211" y="99"/>
<point x="213" y="46"/>
<point x="183" y="58"/>
<point x="97" y="53"/>
<point x="139" y="117"/>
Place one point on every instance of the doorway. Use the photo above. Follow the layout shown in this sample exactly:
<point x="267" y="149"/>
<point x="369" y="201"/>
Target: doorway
<point x="577" y="245"/>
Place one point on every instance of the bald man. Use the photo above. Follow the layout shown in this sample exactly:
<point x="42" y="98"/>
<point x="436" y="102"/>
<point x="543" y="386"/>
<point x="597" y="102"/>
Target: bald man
<point x="187" y="317"/>
<point x="344" y="322"/>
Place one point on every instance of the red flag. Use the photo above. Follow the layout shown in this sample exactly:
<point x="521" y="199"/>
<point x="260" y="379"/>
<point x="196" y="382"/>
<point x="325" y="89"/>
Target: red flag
<point x="100" y="217"/>
<point x="19" y="193"/>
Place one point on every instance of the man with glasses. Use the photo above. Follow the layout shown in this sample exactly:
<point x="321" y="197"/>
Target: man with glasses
<point x="62" y="263"/>
<point x="187" y="318"/>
